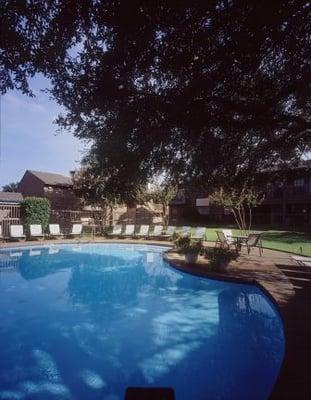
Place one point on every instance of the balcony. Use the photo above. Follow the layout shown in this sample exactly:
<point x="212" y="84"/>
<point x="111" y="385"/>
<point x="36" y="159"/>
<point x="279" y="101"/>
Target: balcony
<point x="288" y="194"/>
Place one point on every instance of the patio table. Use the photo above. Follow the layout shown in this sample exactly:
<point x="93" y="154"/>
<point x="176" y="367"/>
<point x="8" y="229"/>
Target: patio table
<point x="239" y="241"/>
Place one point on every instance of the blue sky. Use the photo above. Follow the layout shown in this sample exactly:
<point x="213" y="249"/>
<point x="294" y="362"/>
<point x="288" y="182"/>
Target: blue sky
<point x="29" y="138"/>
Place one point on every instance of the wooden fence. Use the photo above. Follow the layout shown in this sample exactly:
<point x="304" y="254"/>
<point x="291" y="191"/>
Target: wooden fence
<point x="9" y="215"/>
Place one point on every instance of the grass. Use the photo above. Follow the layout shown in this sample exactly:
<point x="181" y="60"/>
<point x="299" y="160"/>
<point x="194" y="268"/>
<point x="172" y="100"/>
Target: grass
<point x="290" y="241"/>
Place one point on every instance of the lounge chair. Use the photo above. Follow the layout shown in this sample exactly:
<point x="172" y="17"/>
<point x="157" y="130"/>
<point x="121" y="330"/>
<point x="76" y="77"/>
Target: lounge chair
<point x="143" y="231"/>
<point x="170" y="230"/>
<point x="76" y="230"/>
<point x="228" y="235"/>
<point x="1" y="234"/>
<point x="223" y="242"/>
<point x="17" y="232"/>
<point x="129" y="231"/>
<point x="54" y="230"/>
<point x="157" y="232"/>
<point x="35" y="231"/>
<point x="254" y="240"/>
<point x="185" y="231"/>
<point x="116" y="231"/>
<point x="199" y="233"/>
<point x="303" y="261"/>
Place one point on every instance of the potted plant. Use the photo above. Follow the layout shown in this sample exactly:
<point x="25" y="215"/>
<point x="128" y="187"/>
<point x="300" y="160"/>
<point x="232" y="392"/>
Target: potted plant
<point x="191" y="248"/>
<point x="219" y="258"/>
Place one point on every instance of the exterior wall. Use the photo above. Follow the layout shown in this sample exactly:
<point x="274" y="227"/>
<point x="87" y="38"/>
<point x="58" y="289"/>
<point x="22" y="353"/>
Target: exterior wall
<point x="286" y="205"/>
<point x="138" y="215"/>
<point x="30" y="185"/>
<point x="61" y="198"/>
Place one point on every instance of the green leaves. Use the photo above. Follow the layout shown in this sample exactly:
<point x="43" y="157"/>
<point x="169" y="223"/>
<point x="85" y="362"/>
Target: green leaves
<point x="36" y="210"/>
<point x="210" y="92"/>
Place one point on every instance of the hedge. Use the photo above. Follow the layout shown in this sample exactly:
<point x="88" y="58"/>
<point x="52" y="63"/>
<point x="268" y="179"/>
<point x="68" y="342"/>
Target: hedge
<point x="36" y="210"/>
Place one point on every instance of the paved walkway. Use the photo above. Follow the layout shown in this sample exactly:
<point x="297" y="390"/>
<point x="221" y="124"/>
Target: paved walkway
<point x="288" y="285"/>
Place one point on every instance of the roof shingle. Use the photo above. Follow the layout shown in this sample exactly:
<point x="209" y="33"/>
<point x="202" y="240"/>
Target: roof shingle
<point x="11" y="197"/>
<point x="52" y="179"/>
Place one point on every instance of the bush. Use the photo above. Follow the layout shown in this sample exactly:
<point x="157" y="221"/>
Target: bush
<point x="36" y="210"/>
<point x="219" y="257"/>
<point x="185" y="244"/>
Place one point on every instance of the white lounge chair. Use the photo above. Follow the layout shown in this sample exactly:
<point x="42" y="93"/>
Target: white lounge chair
<point x="185" y="231"/>
<point x="143" y="231"/>
<point x="54" y="230"/>
<point x="169" y="232"/>
<point x="116" y="231"/>
<point x="1" y="235"/>
<point x="157" y="232"/>
<point x="199" y="233"/>
<point x="129" y="231"/>
<point x="35" y="231"/>
<point x="17" y="232"/>
<point x="223" y="242"/>
<point x="303" y="261"/>
<point x="76" y="230"/>
<point x="228" y="235"/>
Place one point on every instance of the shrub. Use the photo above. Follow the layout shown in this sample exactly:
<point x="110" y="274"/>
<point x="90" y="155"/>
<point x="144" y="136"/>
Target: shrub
<point x="185" y="244"/>
<point x="36" y="210"/>
<point x="219" y="257"/>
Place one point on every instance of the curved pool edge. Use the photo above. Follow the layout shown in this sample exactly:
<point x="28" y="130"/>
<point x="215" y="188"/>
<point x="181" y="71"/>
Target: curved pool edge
<point x="293" y="379"/>
<point x="279" y="289"/>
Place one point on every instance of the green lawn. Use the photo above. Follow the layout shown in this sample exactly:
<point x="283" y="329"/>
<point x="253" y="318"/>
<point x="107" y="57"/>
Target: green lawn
<point x="294" y="242"/>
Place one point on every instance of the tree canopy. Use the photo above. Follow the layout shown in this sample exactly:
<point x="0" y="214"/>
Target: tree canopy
<point x="10" y="187"/>
<point x="210" y="92"/>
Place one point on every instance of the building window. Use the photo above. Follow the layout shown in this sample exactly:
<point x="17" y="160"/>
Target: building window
<point x="299" y="182"/>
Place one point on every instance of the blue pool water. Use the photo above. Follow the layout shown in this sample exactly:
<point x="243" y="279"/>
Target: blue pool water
<point x="87" y="321"/>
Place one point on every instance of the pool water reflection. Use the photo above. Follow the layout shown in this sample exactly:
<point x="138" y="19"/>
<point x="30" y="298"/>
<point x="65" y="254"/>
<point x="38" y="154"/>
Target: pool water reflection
<point x="87" y="321"/>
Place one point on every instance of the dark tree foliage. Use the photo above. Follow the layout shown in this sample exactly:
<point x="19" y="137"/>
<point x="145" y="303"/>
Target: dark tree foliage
<point x="208" y="91"/>
<point x="10" y="187"/>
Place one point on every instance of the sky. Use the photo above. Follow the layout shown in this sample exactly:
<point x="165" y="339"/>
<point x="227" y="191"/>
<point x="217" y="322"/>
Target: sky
<point x="30" y="139"/>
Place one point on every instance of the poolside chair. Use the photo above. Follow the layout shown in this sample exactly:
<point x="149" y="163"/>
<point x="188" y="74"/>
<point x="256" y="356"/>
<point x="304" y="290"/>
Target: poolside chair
<point x="228" y="235"/>
<point x="54" y="230"/>
<point x="76" y="230"/>
<point x="185" y="231"/>
<point x="116" y="231"/>
<point x="254" y="240"/>
<point x="129" y="231"/>
<point x="35" y="231"/>
<point x="223" y="242"/>
<point x="143" y="231"/>
<point x="302" y="261"/>
<point x="170" y="230"/>
<point x="17" y="232"/>
<point x="157" y="232"/>
<point x="1" y="234"/>
<point x="199" y="233"/>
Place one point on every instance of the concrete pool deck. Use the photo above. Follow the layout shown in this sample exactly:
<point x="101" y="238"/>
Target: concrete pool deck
<point x="287" y="284"/>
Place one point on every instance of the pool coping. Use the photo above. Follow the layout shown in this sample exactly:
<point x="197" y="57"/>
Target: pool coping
<point x="293" y="379"/>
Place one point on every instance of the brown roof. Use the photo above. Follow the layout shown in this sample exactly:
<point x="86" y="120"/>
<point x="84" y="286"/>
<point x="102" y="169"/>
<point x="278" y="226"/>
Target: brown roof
<point x="52" y="179"/>
<point x="10" y="197"/>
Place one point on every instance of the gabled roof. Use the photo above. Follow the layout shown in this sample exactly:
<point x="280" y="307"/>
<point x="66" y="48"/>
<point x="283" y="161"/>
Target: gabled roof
<point x="11" y="197"/>
<point x="52" y="179"/>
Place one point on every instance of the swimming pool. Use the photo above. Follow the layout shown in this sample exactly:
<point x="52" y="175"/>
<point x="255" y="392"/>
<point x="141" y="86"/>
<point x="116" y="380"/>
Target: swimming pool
<point x="87" y="321"/>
